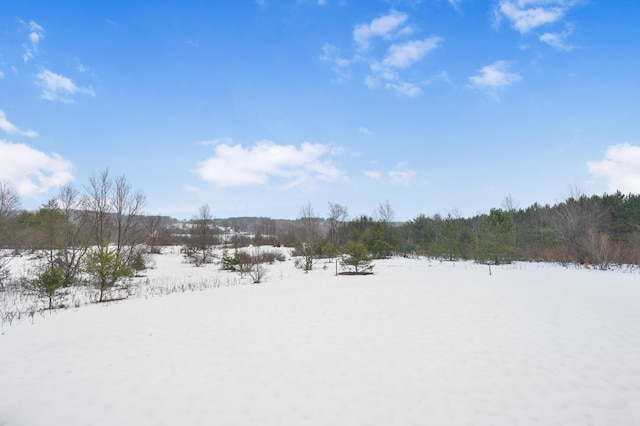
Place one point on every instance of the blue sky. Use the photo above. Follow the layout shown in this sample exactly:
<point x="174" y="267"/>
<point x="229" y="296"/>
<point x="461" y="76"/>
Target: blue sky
<point x="257" y="107"/>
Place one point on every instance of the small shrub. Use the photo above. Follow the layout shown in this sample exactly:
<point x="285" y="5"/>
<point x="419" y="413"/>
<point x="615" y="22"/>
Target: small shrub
<point x="47" y="283"/>
<point x="356" y="256"/>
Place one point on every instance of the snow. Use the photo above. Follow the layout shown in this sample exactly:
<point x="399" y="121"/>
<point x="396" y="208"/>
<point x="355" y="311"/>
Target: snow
<point x="418" y="343"/>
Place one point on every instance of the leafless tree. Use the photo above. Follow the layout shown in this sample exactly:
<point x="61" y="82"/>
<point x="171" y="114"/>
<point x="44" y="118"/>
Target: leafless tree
<point x="309" y="233"/>
<point x="309" y="224"/>
<point x="574" y="219"/>
<point x="127" y="206"/>
<point x="203" y="236"/>
<point x="98" y="204"/>
<point x="9" y="199"/>
<point x="384" y="213"/>
<point x="266" y="231"/>
<point x="9" y="202"/>
<point x="155" y="235"/>
<point x="600" y="250"/>
<point x="338" y="215"/>
<point x="256" y="270"/>
<point x="76" y="230"/>
<point x="509" y="204"/>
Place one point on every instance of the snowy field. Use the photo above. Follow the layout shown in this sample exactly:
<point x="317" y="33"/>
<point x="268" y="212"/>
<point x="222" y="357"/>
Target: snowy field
<point x="418" y="343"/>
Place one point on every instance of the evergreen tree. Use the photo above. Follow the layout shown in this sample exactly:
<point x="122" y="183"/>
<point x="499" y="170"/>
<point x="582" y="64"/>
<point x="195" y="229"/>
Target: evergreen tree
<point x="356" y="256"/>
<point x="496" y="240"/>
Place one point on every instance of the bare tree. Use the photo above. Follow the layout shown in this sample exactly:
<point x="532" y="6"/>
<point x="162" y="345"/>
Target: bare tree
<point x="155" y="234"/>
<point x="309" y="222"/>
<point x="9" y="202"/>
<point x="256" y="271"/>
<point x="509" y="204"/>
<point x="9" y="199"/>
<point x="115" y="217"/>
<point x="338" y="215"/>
<point x="574" y="219"/>
<point x="203" y="236"/>
<point x="384" y="213"/>
<point x="98" y="204"/>
<point x="76" y="231"/>
<point x="601" y="251"/>
<point x="309" y="233"/>
<point x="266" y="231"/>
<point x="127" y="207"/>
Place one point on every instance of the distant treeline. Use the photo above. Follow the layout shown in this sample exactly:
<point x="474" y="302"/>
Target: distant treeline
<point x="593" y="230"/>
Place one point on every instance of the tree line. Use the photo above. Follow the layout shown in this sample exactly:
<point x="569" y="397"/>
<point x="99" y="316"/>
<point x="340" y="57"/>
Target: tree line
<point x="102" y="231"/>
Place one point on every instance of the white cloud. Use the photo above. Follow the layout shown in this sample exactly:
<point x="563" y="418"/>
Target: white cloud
<point x="36" y="33"/>
<point x="202" y="193"/>
<point x="400" y="56"/>
<point x="620" y="166"/>
<point x="558" y="40"/>
<point x="235" y="165"/>
<point x="56" y="87"/>
<point x="493" y="78"/>
<point x="383" y="26"/>
<point x="32" y="172"/>
<point x="365" y="131"/>
<point x="526" y="15"/>
<point x="12" y="129"/>
<point x="401" y="176"/>
<point x="217" y="141"/>
<point x="80" y="66"/>
<point x="406" y="54"/>
<point x="404" y="88"/>
<point x="373" y="174"/>
<point x="1" y="75"/>
<point x="339" y="65"/>
<point x="386" y="70"/>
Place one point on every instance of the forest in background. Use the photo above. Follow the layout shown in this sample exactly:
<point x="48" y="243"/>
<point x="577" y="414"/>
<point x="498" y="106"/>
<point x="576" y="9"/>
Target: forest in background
<point x="99" y="238"/>
<point x="597" y="231"/>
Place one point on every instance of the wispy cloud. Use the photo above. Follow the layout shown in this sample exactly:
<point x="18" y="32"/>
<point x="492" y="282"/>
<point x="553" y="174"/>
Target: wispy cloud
<point x="36" y="33"/>
<point x="526" y="15"/>
<point x="372" y="174"/>
<point x="80" y="66"/>
<point x="32" y="172"/>
<point x="494" y="78"/>
<point x="235" y="165"/>
<point x="620" y="166"/>
<point x="12" y="129"/>
<point x="558" y="40"/>
<point x="400" y="56"/>
<point x="384" y="26"/>
<point x="218" y="141"/>
<point x="389" y="59"/>
<point x="200" y="192"/>
<point x="401" y="175"/>
<point x="340" y="65"/>
<point x="56" y="87"/>
<point x="406" y="54"/>
<point x="365" y="131"/>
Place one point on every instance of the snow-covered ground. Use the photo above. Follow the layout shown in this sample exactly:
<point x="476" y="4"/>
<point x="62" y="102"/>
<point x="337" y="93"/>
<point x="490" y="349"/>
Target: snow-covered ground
<point x="418" y="343"/>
